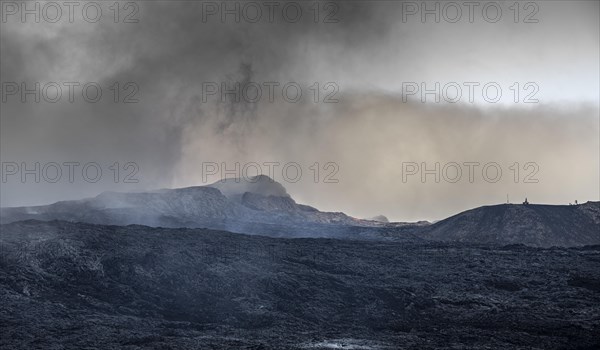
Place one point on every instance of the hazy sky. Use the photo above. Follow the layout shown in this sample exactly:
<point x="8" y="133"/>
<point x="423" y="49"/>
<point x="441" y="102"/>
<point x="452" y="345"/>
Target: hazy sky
<point x="368" y="127"/>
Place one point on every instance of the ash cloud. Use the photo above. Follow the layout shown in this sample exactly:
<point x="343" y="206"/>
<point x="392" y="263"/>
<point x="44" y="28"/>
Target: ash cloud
<point x="171" y="52"/>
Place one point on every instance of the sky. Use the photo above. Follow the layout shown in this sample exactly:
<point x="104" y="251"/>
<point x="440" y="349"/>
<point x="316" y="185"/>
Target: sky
<point x="412" y="110"/>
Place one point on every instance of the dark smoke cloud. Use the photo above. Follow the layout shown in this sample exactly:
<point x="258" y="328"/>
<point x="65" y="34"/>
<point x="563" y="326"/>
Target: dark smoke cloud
<point x="369" y="133"/>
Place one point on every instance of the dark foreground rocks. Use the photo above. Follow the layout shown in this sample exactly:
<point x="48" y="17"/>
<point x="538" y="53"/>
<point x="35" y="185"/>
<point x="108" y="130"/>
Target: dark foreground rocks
<point x="83" y="286"/>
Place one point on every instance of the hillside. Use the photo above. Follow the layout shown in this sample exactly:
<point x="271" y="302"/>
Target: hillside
<point x="533" y="225"/>
<point x="248" y="206"/>
<point x="262" y="206"/>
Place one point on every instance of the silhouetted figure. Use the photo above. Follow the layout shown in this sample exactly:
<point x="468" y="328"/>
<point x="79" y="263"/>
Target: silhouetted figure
<point x="526" y="202"/>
